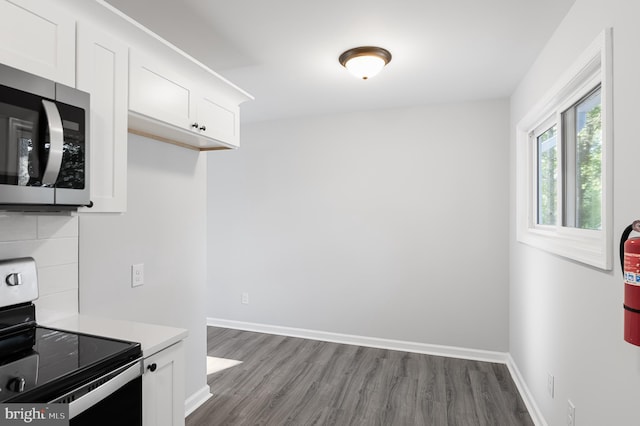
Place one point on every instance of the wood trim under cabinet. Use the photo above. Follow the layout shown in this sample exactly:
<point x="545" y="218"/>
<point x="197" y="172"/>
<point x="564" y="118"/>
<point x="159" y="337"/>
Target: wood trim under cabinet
<point x="174" y="142"/>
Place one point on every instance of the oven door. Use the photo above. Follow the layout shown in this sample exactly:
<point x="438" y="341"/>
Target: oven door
<point x="113" y="399"/>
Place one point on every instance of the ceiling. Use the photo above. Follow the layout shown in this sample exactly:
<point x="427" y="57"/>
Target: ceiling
<point x="285" y="52"/>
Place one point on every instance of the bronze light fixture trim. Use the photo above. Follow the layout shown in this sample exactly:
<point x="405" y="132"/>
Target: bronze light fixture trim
<point x="363" y="52"/>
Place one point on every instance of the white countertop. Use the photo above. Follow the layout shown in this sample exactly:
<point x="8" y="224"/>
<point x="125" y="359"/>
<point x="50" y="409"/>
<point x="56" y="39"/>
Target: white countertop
<point x="153" y="338"/>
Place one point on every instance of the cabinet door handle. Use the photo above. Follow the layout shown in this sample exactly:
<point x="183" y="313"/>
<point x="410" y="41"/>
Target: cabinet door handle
<point x="152" y="367"/>
<point x="195" y="125"/>
<point x="203" y="128"/>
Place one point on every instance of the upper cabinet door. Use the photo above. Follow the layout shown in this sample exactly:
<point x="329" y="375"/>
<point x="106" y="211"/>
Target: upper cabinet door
<point x="219" y="121"/>
<point x="103" y="72"/>
<point x="159" y="91"/>
<point x="38" y="37"/>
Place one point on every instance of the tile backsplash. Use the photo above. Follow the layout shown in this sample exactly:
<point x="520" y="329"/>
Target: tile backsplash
<point x="52" y="240"/>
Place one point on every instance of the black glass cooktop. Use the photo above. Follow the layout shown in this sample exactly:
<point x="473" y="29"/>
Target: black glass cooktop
<point x="52" y="362"/>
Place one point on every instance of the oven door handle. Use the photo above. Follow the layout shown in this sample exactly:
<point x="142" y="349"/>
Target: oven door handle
<point x="56" y="143"/>
<point x="101" y="392"/>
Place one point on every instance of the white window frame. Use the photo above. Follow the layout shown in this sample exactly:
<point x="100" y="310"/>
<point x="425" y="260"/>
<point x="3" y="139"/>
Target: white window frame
<point x="593" y="247"/>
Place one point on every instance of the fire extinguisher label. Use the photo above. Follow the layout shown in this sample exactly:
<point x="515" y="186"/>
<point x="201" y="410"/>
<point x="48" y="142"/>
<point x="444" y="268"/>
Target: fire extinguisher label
<point x="631" y="278"/>
<point x="632" y="268"/>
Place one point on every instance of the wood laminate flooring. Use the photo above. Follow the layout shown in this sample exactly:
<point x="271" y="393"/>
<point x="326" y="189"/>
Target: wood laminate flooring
<point x="292" y="381"/>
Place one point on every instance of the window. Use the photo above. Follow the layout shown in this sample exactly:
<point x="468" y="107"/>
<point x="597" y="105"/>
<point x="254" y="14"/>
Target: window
<point x="582" y="124"/>
<point x="563" y="190"/>
<point x="579" y="172"/>
<point x="547" y="170"/>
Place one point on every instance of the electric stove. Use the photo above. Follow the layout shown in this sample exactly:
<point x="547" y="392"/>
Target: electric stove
<point x="47" y="365"/>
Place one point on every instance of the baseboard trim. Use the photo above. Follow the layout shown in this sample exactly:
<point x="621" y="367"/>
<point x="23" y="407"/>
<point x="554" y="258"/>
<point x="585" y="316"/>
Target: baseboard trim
<point x="373" y="342"/>
<point x="196" y="400"/>
<point x="525" y="393"/>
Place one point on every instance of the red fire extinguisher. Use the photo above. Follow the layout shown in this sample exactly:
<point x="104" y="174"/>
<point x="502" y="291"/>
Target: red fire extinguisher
<point x="630" y="263"/>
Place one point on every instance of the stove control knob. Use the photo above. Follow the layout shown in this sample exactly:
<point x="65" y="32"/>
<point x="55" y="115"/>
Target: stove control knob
<point x="16" y="384"/>
<point x="14" y="279"/>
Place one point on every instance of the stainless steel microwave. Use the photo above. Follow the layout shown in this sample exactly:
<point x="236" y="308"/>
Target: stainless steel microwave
<point x="44" y="143"/>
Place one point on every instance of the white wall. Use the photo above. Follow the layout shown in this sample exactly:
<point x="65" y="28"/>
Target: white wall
<point x="165" y="229"/>
<point x="52" y="240"/>
<point x="567" y="318"/>
<point x="388" y="224"/>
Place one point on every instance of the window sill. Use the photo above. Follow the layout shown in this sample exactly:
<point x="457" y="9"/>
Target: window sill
<point x="589" y="247"/>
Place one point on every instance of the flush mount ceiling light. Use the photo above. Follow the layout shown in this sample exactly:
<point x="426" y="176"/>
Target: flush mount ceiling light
<point x="365" y="61"/>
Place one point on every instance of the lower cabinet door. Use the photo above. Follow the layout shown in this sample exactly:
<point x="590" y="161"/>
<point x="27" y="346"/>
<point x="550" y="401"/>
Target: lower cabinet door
<point x="163" y="387"/>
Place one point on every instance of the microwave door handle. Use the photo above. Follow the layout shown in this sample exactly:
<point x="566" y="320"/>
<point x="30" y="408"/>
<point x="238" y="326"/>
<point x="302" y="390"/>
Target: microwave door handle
<point x="56" y="143"/>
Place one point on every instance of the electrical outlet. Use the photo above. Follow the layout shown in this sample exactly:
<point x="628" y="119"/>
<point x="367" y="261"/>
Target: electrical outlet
<point x="571" y="414"/>
<point x="245" y="298"/>
<point x="550" y="384"/>
<point x="137" y="275"/>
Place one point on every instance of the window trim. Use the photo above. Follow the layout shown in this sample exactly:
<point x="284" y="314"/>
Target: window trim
<point x="593" y="247"/>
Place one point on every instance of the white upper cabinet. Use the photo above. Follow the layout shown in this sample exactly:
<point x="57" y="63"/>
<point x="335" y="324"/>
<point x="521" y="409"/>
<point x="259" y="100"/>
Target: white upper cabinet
<point x="159" y="91"/>
<point x="137" y="82"/>
<point x="178" y="101"/>
<point x="218" y="120"/>
<point x="103" y="72"/>
<point x="38" y="37"/>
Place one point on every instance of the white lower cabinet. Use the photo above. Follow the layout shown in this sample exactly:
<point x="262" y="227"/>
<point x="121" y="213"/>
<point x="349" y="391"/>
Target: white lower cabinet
<point x="163" y="387"/>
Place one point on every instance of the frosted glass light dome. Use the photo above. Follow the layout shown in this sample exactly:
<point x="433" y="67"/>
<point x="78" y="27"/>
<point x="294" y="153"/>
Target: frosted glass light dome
<point x="366" y="61"/>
